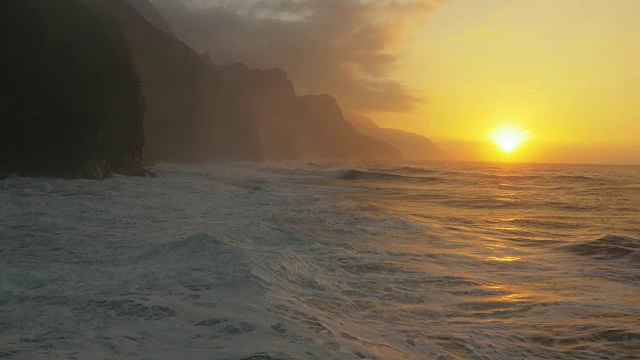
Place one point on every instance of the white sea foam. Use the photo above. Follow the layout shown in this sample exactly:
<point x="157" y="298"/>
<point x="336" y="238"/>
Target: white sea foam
<point x="323" y="261"/>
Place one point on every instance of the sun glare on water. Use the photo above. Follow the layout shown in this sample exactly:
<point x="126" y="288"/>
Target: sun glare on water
<point x="509" y="137"/>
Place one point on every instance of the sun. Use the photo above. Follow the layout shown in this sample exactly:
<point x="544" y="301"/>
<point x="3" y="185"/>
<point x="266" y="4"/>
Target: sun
<point x="509" y="137"/>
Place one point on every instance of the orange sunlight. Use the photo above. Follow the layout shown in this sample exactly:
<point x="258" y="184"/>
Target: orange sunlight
<point x="509" y="138"/>
<point x="565" y="69"/>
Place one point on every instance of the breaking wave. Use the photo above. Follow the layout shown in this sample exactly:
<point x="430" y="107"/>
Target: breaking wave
<point x="322" y="260"/>
<point x="608" y="247"/>
<point x="353" y="174"/>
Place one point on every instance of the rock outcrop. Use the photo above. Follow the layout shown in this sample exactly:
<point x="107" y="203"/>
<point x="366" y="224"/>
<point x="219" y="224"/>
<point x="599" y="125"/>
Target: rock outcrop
<point x="70" y="101"/>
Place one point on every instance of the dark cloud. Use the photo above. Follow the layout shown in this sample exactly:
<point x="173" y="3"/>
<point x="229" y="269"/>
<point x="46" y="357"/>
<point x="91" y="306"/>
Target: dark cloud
<point x="348" y="48"/>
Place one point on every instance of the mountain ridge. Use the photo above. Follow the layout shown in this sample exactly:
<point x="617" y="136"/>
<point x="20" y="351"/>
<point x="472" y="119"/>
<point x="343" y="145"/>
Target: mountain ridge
<point x="413" y="147"/>
<point x="229" y="112"/>
<point x="152" y="15"/>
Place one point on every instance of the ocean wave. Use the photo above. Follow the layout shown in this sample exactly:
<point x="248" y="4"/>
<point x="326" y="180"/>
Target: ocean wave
<point x="353" y="174"/>
<point x="541" y="177"/>
<point x="607" y="248"/>
<point x="224" y="263"/>
<point x="581" y="343"/>
<point x="266" y="262"/>
<point x="402" y="170"/>
<point x="314" y="172"/>
<point x="195" y="245"/>
<point x="575" y="177"/>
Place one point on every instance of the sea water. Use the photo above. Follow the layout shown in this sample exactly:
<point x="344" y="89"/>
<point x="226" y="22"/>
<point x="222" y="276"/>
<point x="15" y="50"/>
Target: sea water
<point x="324" y="261"/>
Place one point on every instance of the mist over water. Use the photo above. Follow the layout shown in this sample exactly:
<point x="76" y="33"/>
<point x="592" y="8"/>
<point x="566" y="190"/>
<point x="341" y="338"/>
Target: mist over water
<point x="324" y="261"/>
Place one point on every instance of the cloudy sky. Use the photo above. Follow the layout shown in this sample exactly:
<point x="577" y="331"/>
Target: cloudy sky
<point x="348" y="48"/>
<point x="564" y="70"/>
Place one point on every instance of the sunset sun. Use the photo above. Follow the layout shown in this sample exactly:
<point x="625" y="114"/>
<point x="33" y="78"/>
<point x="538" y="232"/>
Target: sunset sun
<point x="509" y="138"/>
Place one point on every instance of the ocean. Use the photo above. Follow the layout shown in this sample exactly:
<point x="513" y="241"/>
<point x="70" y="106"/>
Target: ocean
<point x="260" y="261"/>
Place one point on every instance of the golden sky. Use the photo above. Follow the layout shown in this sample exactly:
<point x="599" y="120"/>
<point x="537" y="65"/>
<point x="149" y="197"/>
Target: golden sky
<point x="568" y="71"/>
<point x="565" y="71"/>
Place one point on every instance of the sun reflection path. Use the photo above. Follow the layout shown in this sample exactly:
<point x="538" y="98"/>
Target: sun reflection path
<point x="505" y="259"/>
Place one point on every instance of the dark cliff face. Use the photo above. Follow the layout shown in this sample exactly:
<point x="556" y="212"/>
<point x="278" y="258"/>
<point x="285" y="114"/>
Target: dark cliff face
<point x="292" y="127"/>
<point x="325" y="133"/>
<point x="151" y="14"/>
<point x="268" y="97"/>
<point x="188" y="118"/>
<point x="88" y="81"/>
<point x="199" y="112"/>
<point x="70" y="102"/>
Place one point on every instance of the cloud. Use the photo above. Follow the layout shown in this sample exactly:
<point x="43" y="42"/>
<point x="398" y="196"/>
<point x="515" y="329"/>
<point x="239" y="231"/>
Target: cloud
<point x="348" y="48"/>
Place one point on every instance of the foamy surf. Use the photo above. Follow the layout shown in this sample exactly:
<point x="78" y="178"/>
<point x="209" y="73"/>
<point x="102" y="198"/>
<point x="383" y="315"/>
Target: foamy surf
<point x="293" y="261"/>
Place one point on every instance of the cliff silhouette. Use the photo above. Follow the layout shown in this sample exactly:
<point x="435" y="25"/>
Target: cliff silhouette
<point x="97" y="87"/>
<point x="70" y="101"/>
<point x="327" y="134"/>
<point x="188" y="118"/>
<point x="297" y="127"/>
<point x="151" y="14"/>
<point x="198" y="111"/>
<point x="413" y="147"/>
